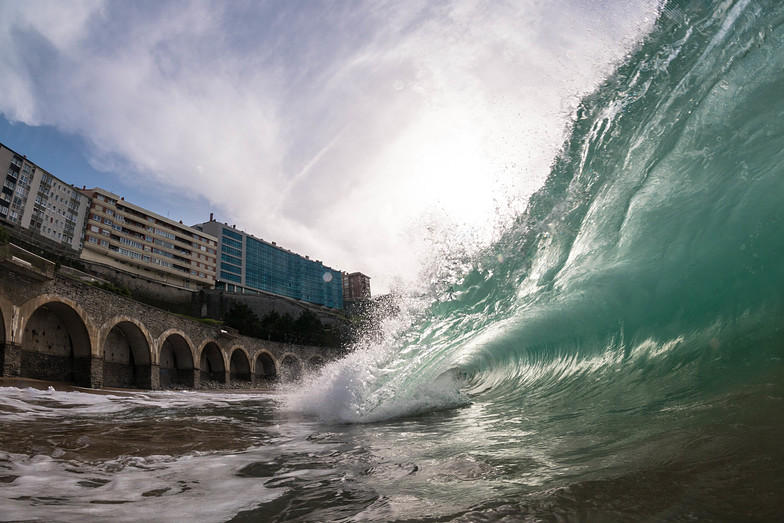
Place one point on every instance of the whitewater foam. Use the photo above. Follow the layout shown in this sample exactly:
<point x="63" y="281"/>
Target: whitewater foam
<point x="129" y="489"/>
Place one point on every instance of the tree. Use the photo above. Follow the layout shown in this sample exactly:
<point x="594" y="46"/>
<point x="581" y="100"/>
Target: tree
<point x="308" y="328"/>
<point x="242" y="318"/>
<point x="278" y="327"/>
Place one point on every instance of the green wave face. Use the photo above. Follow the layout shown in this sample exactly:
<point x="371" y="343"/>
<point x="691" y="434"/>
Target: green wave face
<point x="645" y="276"/>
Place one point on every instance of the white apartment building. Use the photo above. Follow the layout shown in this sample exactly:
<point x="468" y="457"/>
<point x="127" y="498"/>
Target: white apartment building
<point x="33" y="199"/>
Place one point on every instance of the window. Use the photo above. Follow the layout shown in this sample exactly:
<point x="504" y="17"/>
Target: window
<point x="230" y="277"/>
<point x="164" y="234"/>
<point x="232" y="234"/>
<point x="231" y="243"/>
<point x="130" y="254"/>
<point x="231" y="259"/>
<point x="132" y="243"/>
<point x="162" y="263"/>
<point x="163" y="243"/>
<point x="231" y="268"/>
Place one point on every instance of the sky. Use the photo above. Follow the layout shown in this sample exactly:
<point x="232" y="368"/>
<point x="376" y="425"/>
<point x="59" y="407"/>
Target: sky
<point x="348" y="131"/>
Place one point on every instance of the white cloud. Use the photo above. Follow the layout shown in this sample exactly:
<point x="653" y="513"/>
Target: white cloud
<point x="329" y="130"/>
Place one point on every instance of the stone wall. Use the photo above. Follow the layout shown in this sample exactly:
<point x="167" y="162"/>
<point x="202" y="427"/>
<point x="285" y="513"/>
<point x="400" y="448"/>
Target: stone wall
<point x="209" y="303"/>
<point x="65" y="330"/>
<point x="48" y="367"/>
<point x="148" y="290"/>
<point x="215" y="304"/>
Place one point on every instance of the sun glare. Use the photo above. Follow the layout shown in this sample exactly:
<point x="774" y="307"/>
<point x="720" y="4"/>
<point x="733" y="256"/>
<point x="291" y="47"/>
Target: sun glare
<point x="440" y="165"/>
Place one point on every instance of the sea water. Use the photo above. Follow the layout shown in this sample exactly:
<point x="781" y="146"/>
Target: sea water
<point x="616" y="354"/>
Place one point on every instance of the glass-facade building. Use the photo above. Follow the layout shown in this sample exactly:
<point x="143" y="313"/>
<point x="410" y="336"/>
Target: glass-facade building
<point x="249" y="265"/>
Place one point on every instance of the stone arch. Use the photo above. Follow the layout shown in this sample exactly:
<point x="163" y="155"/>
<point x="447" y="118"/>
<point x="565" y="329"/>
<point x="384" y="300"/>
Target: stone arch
<point x="239" y="365"/>
<point x="290" y="367"/>
<point x="56" y="342"/>
<point x="212" y="362"/>
<point x="175" y="360"/>
<point x="265" y="368"/>
<point x="126" y="348"/>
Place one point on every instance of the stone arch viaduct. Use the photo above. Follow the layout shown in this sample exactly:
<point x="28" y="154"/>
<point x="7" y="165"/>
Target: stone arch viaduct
<point x="56" y="328"/>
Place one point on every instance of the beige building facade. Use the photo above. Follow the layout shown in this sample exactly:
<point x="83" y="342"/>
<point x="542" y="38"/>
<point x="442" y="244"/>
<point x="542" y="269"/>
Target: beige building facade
<point x="133" y="239"/>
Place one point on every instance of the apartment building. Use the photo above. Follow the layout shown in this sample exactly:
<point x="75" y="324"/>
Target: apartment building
<point x="128" y="237"/>
<point x="250" y="265"/>
<point x="34" y="200"/>
<point x="356" y="286"/>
